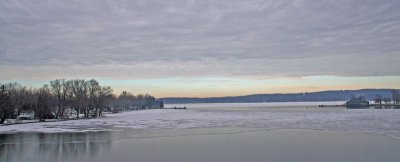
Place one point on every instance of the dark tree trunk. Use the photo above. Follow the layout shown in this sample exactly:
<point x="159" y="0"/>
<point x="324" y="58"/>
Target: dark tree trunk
<point x="77" y="113"/>
<point x="100" y="112"/>
<point x="3" y="118"/>
<point x="96" y="110"/>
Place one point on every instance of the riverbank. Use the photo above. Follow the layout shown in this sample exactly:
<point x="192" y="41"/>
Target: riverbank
<point x="8" y="122"/>
<point x="15" y="121"/>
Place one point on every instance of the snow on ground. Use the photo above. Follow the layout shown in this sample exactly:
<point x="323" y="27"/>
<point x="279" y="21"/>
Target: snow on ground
<point x="375" y="121"/>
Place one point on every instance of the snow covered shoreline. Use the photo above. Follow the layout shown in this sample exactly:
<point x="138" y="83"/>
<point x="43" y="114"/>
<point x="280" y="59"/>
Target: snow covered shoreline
<point x="375" y="121"/>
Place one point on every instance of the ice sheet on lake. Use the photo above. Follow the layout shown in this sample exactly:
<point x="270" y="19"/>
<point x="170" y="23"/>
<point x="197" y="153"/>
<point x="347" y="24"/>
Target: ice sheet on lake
<point x="376" y="121"/>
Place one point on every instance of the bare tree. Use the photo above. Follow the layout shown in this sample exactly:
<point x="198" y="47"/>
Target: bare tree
<point x="43" y="110"/>
<point x="61" y="89"/>
<point x="79" y="89"/>
<point x="125" y="100"/>
<point x="378" y="100"/>
<point x="396" y="96"/>
<point x="56" y="89"/>
<point x="149" y="101"/>
<point x="105" y="94"/>
<point x="94" y="89"/>
<point x="27" y="98"/>
<point x="14" y="91"/>
<point x="140" y="101"/>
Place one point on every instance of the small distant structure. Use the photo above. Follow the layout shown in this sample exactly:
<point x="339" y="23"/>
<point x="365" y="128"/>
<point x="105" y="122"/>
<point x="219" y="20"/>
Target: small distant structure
<point x="357" y="103"/>
<point x="184" y="108"/>
<point x="69" y="113"/>
<point x="26" y="115"/>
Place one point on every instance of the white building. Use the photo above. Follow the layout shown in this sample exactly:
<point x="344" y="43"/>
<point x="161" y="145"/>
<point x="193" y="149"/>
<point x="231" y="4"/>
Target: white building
<point x="26" y="115"/>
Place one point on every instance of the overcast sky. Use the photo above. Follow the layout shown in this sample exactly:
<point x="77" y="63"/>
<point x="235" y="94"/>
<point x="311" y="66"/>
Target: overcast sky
<point x="203" y="48"/>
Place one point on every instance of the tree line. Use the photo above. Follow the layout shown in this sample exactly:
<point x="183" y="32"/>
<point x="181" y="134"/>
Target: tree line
<point x="395" y="99"/>
<point x="83" y="97"/>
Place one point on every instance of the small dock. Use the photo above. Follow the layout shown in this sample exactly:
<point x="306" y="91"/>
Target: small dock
<point x="342" y="105"/>
<point x="370" y="105"/>
<point x="385" y="105"/>
<point x="179" y="108"/>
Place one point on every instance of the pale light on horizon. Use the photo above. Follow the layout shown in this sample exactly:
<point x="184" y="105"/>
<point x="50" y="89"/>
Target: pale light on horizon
<point x="220" y="87"/>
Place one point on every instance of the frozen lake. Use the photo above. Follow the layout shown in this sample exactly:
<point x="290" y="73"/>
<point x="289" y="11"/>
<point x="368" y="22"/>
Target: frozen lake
<point x="213" y="132"/>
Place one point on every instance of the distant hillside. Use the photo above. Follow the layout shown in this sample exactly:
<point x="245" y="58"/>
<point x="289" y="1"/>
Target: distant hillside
<point x="339" y="95"/>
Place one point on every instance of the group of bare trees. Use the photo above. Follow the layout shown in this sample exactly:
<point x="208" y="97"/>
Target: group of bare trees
<point x="395" y="98"/>
<point x="83" y="96"/>
<point x="379" y="100"/>
<point x="5" y="104"/>
<point x="80" y="96"/>
<point x="14" y="98"/>
<point x="387" y="100"/>
<point x="128" y="101"/>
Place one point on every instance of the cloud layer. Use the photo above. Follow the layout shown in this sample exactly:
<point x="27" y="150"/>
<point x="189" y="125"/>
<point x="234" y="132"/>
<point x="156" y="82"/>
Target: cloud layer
<point x="159" y="39"/>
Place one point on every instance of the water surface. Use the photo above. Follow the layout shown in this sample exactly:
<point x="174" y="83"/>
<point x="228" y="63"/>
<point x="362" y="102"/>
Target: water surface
<point x="199" y="145"/>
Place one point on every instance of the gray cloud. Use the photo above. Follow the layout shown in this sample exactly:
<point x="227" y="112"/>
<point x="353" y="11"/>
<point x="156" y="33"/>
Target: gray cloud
<point x="149" y="39"/>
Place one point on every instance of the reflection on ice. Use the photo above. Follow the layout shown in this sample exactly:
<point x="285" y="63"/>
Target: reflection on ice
<point x="53" y="146"/>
